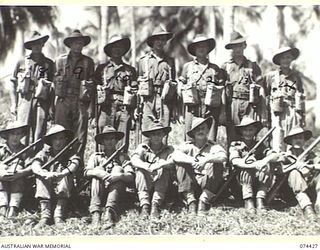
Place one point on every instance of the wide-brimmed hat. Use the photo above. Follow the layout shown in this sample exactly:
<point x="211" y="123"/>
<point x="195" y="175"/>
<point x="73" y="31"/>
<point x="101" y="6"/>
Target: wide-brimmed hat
<point x="196" y="122"/>
<point x="76" y="35"/>
<point x="248" y="121"/>
<point x="12" y="126"/>
<point x="156" y="126"/>
<point x="35" y="38"/>
<point x="200" y="39"/>
<point x="57" y="129"/>
<point x="124" y="41"/>
<point x="108" y="130"/>
<point x="159" y="31"/>
<point x="293" y="51"/>
<point x="236" y="38"/>
<point x="297" y="131"/>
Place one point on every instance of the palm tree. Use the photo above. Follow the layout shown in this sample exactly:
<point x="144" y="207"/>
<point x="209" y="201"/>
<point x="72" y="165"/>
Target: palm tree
<point x="15" y="19"/>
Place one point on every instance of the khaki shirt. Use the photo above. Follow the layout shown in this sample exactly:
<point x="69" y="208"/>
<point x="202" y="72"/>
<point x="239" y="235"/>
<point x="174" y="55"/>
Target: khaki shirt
<point x="239" y="149"/>
<point x="5" y="153"/>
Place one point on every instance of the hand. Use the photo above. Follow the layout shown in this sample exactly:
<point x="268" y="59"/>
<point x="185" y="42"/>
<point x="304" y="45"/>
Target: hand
<point x="114" y="177"/>
<point x="154" y="167"/>
<point x="199" y="165"/>
<point x="49" y="175"/>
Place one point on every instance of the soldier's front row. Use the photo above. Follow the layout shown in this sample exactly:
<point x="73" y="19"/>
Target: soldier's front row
<point x="197" y="167"/>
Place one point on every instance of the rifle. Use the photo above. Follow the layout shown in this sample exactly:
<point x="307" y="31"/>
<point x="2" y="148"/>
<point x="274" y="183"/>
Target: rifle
<point x="21" y="152"/>
<point x="62" y="151"/>
<point x="139" y="121"/>
<point x="251" y="152"/>
<point x="286" y="170"/>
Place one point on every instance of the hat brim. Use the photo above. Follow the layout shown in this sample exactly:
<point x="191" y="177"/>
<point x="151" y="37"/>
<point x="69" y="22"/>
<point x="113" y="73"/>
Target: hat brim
<point x="126" y="44"/>
<point x="48" y="138"/>
<point x="99" y="137"/>
<point x="86" y="39"/>
<point x="235" y="42"/>
<point x="167" y="35"/>
<point x="293" y="51"/>
<point x="307" y="135"/>
<point x="147" y="133"/>
<point x="192" y="46"/>
<point x="30" y="43"/>
<point x="257" y="124"/>
<point x="4" y="133"/>
<point x="208" y="120"/>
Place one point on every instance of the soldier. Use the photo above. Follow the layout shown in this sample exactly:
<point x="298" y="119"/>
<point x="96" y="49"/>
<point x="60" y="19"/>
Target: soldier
<point x="153" y="162"/>
<point x="116" y="86"/>
<point x="244" y="92"/>
<point x="203" y="85"/>
<point x="73" y="88"/>
<point x="109" y="180"/>
<point x="255" y="172"/>
<point x="156" y="70"/>
<point x="30" y="87"/>
<point x="303" y="178"/>
<point x="54" y="183"/>
<point x="285" y="91"/>
<point x="199" y="166"/>
<point x="11" y="175"/>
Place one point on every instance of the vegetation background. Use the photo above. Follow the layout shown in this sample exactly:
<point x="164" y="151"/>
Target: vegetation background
<point x="267" y="27"/>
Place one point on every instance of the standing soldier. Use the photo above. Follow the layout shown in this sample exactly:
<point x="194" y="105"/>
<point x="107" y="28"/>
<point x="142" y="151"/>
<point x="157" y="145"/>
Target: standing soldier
<point x="109" y="179"/>
<point x="202" y="85"/>
<point x="285" y="91"/>
<point x="31" y="85"/>
<point x="11" y="181"/>
<point x="54" y="182"/>
<point x="244" y="92"/>
<point x="199" y="166"/>
<point x="156" y="72"/>
<point x="116" y="82"/>
<point x="73" y="88"/>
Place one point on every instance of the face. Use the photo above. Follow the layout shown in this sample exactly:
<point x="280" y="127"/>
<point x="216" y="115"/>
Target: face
<point x="59" y="141"/>
<point x="285" y="60"/>
<point x="201" y="132"/>
<point x="238" y="49"/>
<point x="298" y="140"/>
<point x="37" y="47"/>
<point x="14" y="137"/>
<point x="109" y="141"/>
<point x="159" y="42"/>
<point x="117" y="50"/>
<point x="249" y="132"/>
<point x="76" y="46"/>
<point x="201" y="50"/>
<point x="156" y="137"/>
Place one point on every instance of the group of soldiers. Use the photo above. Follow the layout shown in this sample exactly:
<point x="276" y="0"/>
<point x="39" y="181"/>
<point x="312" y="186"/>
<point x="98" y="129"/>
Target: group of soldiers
<point x="70" y="91"/>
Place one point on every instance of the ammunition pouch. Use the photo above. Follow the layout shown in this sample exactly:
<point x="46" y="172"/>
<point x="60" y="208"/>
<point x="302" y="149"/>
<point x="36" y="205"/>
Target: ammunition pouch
<point x="145" y="87"/>
<point x="85" y="92"/>
<point x="254" y="94"/>
<point x="103" y="95"/>
<point x="169" y="90"/>
<point x="25" y="84"/>
<point x="129" y="97"/>
<point x="190" y="95"/>
<point x="213" y="96"/>
<point x="42" y="89"/>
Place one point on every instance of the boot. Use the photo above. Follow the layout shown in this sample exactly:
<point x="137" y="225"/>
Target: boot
<point x="13" y="212"/>
<point x="317" y="208"/>
<point x="192" y="207"/>
<point x="45" y="206"/>
<point x="309" y="212"/>
<point x="58" y="221"/>
<point x="109" y="218"/>
<point x="203" y="207"/>
<point x="260" y="204"/>
<point x="95" y="219"/>
<point x="145" y="210"/>
<point x="155" y="210"/>
<point x="3" y="212"/>
<point x="249" y="205"/>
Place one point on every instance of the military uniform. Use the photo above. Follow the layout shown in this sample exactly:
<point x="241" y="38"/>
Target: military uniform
<point x="32" y="109"/>
<point x="158" y="70"/>
<point x="201" y="76"/>
<point x="114" y="78"/>
<point x="208" y="180"/>
<point x="100" y="189"/>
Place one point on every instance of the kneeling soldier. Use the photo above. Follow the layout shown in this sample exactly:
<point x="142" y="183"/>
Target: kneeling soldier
<point x="11" y="181"/>
<point x="153" y="161"/>
<point x="199" y="166"/>
<point x="257" y="172"/>
<point x="111" y="173"/>
<point x="54" y="182"/>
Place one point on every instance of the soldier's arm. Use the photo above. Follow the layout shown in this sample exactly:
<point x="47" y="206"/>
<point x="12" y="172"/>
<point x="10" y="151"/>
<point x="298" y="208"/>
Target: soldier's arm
<point x="137" y="158"/>
<point x="217" y="155"/>
<point x="92" y="169"/>
<point x="180" y="155"/>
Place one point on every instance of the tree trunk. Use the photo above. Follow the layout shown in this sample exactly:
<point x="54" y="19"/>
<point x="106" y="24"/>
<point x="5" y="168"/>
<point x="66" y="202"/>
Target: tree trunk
<point x="133" y="37"/>
<point x="228" y="27"/>
<point x="281" y="26"/>
<point x="104" y="35"/>
<point x="211" y="29"/>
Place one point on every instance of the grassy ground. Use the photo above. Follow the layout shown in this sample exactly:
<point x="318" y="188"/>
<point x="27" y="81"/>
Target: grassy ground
<point x="220" y="220"/>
